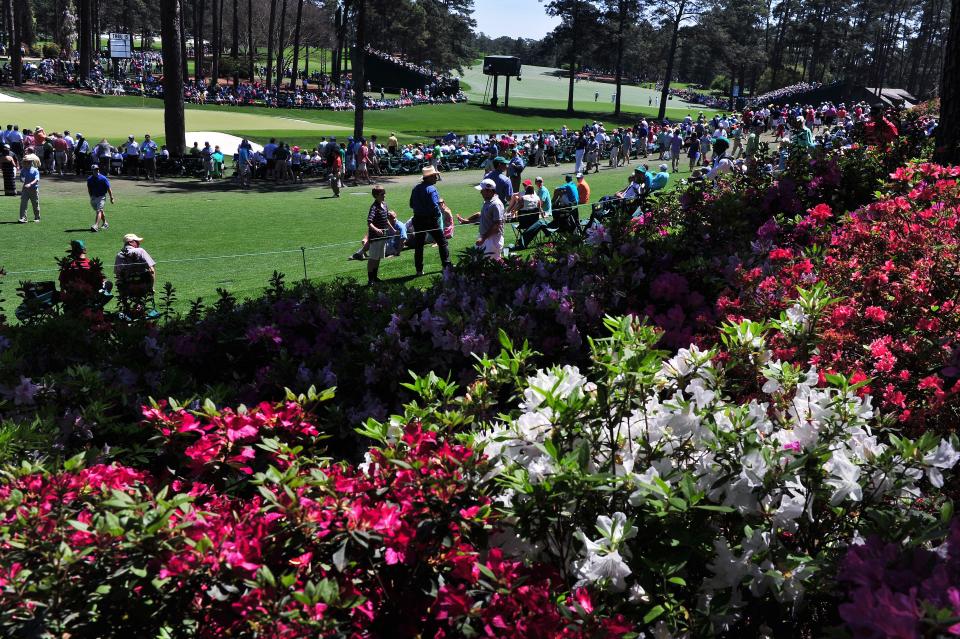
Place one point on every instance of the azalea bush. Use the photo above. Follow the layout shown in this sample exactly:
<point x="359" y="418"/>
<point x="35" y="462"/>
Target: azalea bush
<point x="907" y="592"/>
<point x="701" y="494"/>
<point x="304" y="547"/>
<point x="85" y="378"/>
<point x="894" y="263"/>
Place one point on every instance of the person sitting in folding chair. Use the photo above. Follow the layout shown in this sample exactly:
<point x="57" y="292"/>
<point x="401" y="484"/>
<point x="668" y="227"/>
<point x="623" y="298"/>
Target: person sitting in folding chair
<point x="82" y="284"/>
<point x="135" y="272"/>
<point x="566" y="214"/>
<point x="529" y="213"/>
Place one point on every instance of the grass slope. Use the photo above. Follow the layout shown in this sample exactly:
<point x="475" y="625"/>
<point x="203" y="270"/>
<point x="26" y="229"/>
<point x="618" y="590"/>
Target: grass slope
<point x="188" y="226"/>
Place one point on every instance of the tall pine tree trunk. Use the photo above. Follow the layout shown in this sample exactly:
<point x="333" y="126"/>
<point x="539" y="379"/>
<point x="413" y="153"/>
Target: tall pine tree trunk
<point x="215" y="41"/>
<point x="85" y="38"/>
<point x="197" y="43"/>
<point x="573" y="55"/>
<point x="335" y="52"/>
<point x="183" y="39"/>
<point x="948" y="132"/>
<point x="270" y="33"/>
<point x="251" y="50"/>
<point x="281" y="44"/>
<point x="16" y="59"/>
<point x="235" y="45"/>
<point x="671" y="57"/>
<point x="359" y="71"/>
<point x="296" y="44"/>
<point x="173" y="119"/>
<point x="622" y="25"/>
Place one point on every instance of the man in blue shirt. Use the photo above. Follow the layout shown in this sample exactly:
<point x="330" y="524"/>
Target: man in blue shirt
<point x="504" y="186"/>
<point x="148" y="157"/>
<point x="427" y="218"/>
<point x="98" y="188"/>
<point x="31" y="192"/>
<point x="659" y="181"/>
<point x="545" y="200"/>
<point x="244" y="163"/>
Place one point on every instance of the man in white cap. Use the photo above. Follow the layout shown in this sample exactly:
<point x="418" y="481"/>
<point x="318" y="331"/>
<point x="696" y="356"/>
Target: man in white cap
<point x="30" y="194"/>
<point x="427" y="218"/>
<point x="131" y="158"/>
<point x="491" y="218"/>
<point x="133" y="263"/>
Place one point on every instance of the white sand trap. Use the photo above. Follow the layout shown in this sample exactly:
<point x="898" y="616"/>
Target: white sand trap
<point x="227" y="143"/>
<point x="9" y="98"/>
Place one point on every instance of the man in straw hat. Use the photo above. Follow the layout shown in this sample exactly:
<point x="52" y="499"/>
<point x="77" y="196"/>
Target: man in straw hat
<point x="427" y="218"/>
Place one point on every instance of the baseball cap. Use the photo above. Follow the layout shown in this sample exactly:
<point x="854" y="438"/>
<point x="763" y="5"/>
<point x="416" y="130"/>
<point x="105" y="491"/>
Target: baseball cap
<point x="528" y="182"/>
<point x="77" y="246"/>
<point x="130" y="137"/>
<point x="94" y="166"/>
<point x="538" y="179"/>
<point x="131" y="237"/>
<point x="579" y="175"/>
<point x="500" y="159"/>
<point x="486" y="184"/>
<point x="664" y="167"/>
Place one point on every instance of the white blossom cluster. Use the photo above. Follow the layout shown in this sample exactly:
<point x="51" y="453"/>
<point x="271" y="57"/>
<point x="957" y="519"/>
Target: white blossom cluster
<point x="740" y="456"/>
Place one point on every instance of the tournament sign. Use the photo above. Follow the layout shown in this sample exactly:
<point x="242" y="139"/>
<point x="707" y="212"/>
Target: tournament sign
<point x="120" y="45"/>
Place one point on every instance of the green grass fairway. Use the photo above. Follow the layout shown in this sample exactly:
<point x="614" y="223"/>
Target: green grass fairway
<point x="209" y="236"/>
<point x="116" y="123"/>
<point x="116" y="117"/>
<point x="541" y="88"/>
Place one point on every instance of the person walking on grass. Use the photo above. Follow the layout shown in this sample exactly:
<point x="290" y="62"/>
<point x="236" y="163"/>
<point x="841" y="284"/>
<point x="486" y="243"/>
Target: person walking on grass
<point x="428" y="218"/>
<point x="98" y="188"/>
<point x="379" y="230"/>
<point x="30" y="192"/>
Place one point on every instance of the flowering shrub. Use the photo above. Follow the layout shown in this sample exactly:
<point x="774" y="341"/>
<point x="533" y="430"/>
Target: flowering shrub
<point x="896" y="592"/>
<point x="894" y="264"/>
<point x="395" y="547"/>
<point x="691" y="507"/>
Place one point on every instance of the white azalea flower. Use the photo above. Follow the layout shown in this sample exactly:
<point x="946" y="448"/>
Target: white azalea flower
<point x="843" y="478"/>
<point x="943" y="457"/>
<point x="609" y="568"/>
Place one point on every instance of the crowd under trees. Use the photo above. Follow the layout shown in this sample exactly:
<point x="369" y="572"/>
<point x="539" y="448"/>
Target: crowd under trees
<point x="727" y="45"/>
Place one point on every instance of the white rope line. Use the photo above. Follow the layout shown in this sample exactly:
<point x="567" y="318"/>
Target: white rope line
<point x="303" y="249"/>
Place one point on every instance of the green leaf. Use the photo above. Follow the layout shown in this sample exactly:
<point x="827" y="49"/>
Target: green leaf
<point x="655" y="612"/>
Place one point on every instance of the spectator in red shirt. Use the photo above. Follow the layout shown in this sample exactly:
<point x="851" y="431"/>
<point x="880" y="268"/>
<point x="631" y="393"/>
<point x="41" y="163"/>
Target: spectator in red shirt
<point x="80" y="279"/>
<point x="879" y="131"/>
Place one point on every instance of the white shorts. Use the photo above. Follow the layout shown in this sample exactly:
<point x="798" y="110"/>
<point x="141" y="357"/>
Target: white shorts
<point x="493" y="246"/>
<point x="97" y="203"/>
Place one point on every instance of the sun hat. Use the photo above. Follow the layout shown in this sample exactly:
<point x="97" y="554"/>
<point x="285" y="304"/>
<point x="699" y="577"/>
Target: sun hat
<point x="429" y="171"/>
<point x="486" y="184"/>
<point x="131" y="237"/>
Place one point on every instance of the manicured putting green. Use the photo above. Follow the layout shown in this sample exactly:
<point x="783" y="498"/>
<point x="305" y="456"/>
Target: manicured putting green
<point x="541" y="85"/>
<point x="113" y="122"/>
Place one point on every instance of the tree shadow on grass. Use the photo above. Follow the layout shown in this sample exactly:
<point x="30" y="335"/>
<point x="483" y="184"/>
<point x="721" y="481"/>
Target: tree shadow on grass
<point x="259" y="186"/>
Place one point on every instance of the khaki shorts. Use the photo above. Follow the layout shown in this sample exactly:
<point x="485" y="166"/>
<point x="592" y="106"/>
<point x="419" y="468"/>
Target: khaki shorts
<point x="377" y="249"/>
